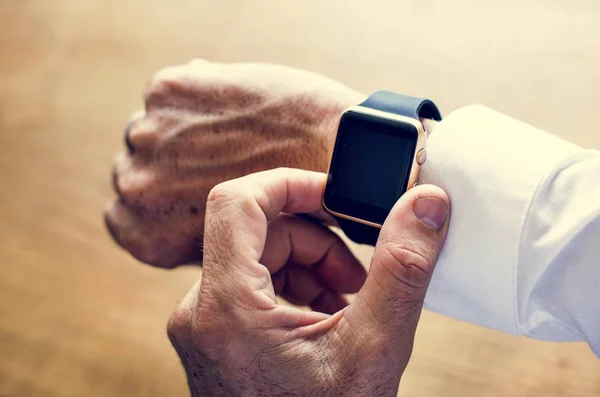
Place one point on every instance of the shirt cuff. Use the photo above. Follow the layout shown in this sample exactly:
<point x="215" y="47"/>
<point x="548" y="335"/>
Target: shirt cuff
<point x="491" y="166"/>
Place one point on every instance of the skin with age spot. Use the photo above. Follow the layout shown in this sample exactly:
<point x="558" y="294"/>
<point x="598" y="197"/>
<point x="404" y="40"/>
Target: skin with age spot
<point x="206" y="123"/>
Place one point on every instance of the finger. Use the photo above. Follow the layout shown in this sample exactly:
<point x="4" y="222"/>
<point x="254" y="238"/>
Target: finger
<point x="137" y="116"/>
<point x="323" y="300"/>
<point x="329" y="302"/>
<point x="121" y="224"/>
<point x="411" y="238"/>
<point x="156" y="240"/>
<point x="237" y="216"/>
<point x="303" y="288"/>
<point x="165" y="137"/>
<point x="130" y="179"/>
<point x="323" y="217"/>
<point x="291" y="239"/>
<point x="168" y="192"/>
<point x="159" y="221"/>
<point x="116" y="169"/>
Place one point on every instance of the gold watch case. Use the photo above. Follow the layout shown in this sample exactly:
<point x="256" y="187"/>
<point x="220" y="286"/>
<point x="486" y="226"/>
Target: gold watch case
<point x="415" y="166"/>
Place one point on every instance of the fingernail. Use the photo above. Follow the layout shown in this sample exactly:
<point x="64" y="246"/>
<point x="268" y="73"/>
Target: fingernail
<point x="431" y="211"/>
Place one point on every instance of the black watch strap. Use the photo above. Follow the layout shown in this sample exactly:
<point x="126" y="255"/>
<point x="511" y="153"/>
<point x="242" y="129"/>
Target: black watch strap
<point x="402" y="105"/>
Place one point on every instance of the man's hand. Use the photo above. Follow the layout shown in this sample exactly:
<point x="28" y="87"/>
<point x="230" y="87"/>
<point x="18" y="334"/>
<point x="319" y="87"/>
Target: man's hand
<point x="234" y="339"/>
<point x="206" y="123"/>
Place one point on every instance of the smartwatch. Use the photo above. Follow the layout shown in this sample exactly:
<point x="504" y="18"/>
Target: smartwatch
<point x="379" y="148"/>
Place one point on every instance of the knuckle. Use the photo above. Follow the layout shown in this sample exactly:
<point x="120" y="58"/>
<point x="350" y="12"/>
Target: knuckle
<point x="180" y="322"/>
<point x="148" y="253"/>
<point x="133" y="186"/>
<point x="144" y="132"/>
<point x="127" y="191"/>
<point x="143" y="243"/>
<point x="405" y="264"/>
<point x="193" y="320"/>
<point x="220" y="195"/>
<point x="142" y="185"/>
<point x="405" y="255"/>
<point x="164" y="82"/>
<point x="115" y="180"/>
<point x="110" y="223"/>
<point x="141" y="247"/>
<point x="120" y="166"/>
<point x="157" y="248"/>
<point x="225" y="195"/>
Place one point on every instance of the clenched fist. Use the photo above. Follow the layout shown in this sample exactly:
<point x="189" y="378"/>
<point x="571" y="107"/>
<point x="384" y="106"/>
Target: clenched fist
<point x="206" y="123"/>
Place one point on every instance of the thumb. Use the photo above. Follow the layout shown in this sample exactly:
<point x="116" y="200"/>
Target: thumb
<point x="389" y="305"/>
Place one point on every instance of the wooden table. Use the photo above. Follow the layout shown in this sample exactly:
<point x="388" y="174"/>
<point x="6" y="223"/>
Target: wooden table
<point x="79" y="317"/>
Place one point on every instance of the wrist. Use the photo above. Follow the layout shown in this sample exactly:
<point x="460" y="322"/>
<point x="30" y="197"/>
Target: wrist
<point x="331" y="126"/>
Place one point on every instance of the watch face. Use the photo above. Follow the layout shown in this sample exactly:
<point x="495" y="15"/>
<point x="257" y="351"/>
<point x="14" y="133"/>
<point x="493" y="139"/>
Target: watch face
<point x="370" y="166"/>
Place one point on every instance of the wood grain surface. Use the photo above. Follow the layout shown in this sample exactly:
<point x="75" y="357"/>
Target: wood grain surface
<point x="80" y="317"/>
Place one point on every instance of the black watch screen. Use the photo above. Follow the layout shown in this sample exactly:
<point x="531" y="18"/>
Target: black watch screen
<point x="370" y="167"/>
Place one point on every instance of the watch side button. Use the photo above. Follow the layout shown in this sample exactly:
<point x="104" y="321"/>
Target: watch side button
<point x="421" y="156"/>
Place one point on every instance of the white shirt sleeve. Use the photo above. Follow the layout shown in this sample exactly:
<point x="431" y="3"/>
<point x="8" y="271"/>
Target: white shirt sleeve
<point x="523" y="247"/>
